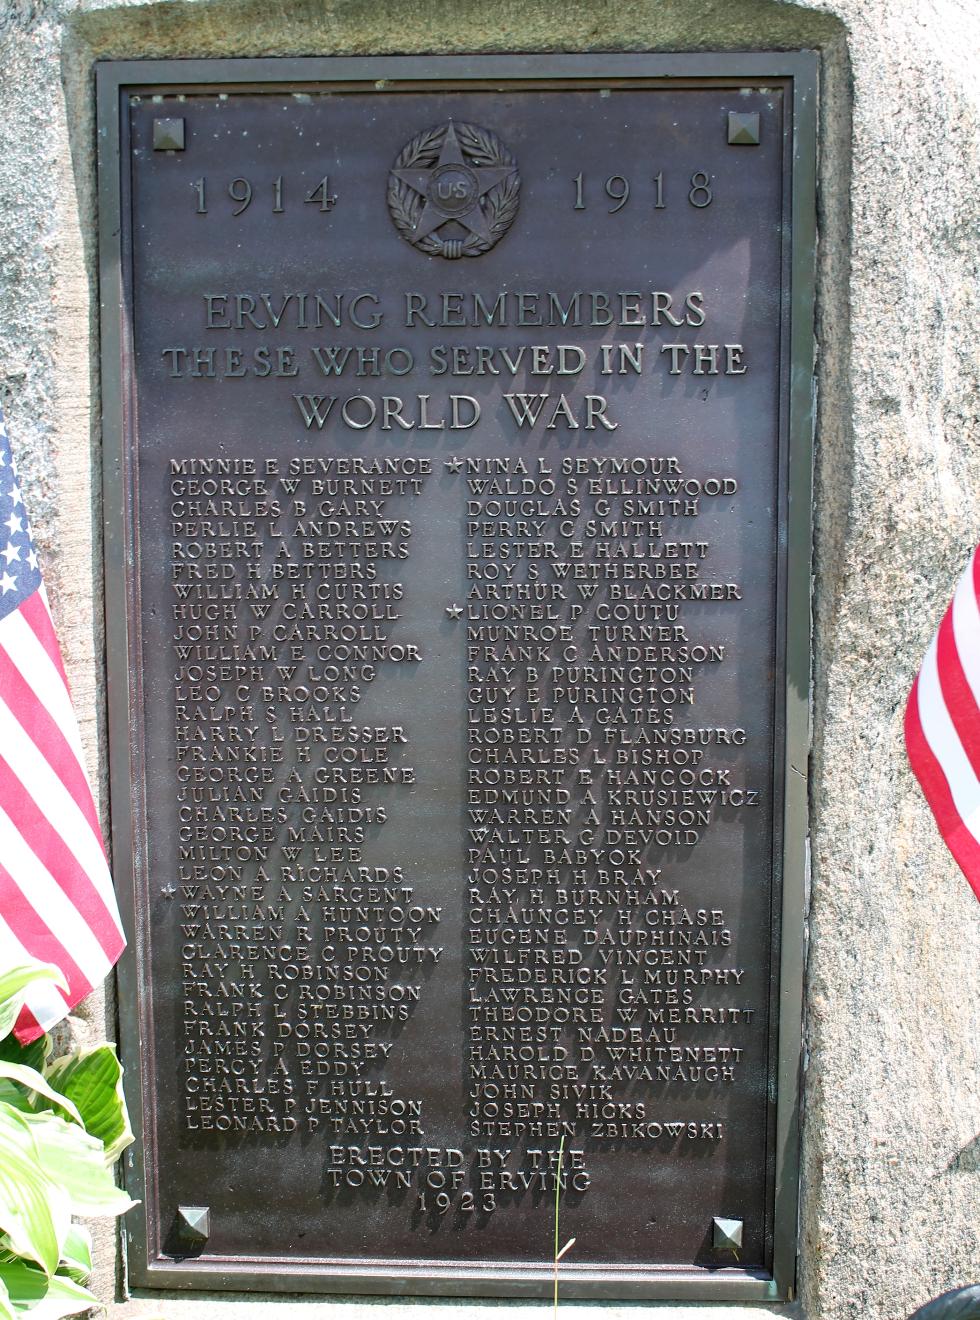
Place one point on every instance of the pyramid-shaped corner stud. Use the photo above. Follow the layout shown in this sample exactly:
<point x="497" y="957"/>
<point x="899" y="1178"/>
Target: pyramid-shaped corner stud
<point x="193" y="1225"/>
<point x="726" y="1234"/>
<point x="168" y="135"/>
<point x="743" y="129"/>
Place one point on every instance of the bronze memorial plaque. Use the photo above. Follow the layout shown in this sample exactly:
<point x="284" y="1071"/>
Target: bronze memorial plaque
<point x="457" y="419"/>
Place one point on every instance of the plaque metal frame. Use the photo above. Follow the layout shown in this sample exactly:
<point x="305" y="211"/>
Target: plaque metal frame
<point x="390" y="75"/>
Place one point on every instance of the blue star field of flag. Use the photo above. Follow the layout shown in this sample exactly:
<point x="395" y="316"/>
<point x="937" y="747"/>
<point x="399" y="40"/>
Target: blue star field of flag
<point x="20" y="573"/>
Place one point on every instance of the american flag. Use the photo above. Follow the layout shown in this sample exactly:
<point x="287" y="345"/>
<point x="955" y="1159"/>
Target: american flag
<point x="942" y="724"/>
<point x="56" y="898"/>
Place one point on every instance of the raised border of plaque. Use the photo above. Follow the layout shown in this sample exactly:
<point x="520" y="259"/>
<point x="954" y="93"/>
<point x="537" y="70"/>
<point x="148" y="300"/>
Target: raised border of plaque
<point x="393" y="74"/>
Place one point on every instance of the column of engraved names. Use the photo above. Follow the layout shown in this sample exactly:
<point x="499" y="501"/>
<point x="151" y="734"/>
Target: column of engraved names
<point x="604" y="994"/>
<point x="303" y="945"/>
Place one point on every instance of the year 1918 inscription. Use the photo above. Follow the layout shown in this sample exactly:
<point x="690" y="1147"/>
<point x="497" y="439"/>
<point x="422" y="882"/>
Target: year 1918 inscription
<point x="456" y="578"/>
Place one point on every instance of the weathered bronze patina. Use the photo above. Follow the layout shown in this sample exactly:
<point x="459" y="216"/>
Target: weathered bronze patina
<point x="457" y="526"/>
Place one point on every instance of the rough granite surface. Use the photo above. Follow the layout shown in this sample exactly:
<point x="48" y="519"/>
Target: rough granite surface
<point x="891" y="1153"/>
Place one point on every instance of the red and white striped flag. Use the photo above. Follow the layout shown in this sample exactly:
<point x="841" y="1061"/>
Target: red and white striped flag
<point x="942" y="724"/>
<point x="57" y="903"/>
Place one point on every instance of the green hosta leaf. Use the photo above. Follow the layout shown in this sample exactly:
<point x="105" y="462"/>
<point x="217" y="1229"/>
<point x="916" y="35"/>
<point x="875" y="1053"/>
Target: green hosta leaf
<point x="75" y="1160"/>
<point x="35" y="1210"/>
<point x="76" y="1254"/>
<point x="92" y="1080"/>
<point x="7" y="1311"/>
<point x="34" y="1055"/>
<point x="36" y="1297"/>
<point x="15" y="1096"/>
<point x="30" y="1080"/>
<point x="14" y="984"/>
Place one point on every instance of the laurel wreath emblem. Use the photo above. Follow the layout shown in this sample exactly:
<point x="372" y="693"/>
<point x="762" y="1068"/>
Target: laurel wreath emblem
<point x="481" y="148"/>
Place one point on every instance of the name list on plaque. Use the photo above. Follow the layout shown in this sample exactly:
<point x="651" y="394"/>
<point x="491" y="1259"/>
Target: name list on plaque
<point x="454" y="567"/>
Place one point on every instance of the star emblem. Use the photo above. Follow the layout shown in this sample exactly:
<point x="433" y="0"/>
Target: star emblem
<point x="454" y="611"/>
<point x="7" y="583"/>
<point x="14" y="523"/>
<point x="452" y="189"/>
<point x="453" y="464"/>
<point x="168" y="890"/>
<point x="15" y="495"/>
<point x="32" y="558"/>
<point x="11" y="553"/>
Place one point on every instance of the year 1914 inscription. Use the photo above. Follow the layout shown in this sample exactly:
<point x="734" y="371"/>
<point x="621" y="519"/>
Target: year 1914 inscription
<point x="453" y="751"/>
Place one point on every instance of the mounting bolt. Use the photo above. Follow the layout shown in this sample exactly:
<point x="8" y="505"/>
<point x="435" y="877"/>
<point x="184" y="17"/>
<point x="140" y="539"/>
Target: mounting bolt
<point x="168" y="135"/>
<point x="743" y="129"/>
<point x="193" y="1225"/>
<point x="726" y="1234"/>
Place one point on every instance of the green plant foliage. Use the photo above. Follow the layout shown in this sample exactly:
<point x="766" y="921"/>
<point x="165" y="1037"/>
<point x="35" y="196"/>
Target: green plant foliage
<point x="76" y="1254"/>
<point x="34" y="1055"/>
<point x="34" y="1295"/>
<point x="15" y="983"/>
<point x="7" y="1311"/>
<point x="62" y="1124"/>
<point x="92" y="1081"/>
<point x="35" y="1212"/>
<point x="72" y="1158"/>
<point x="30" y="1083"/>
